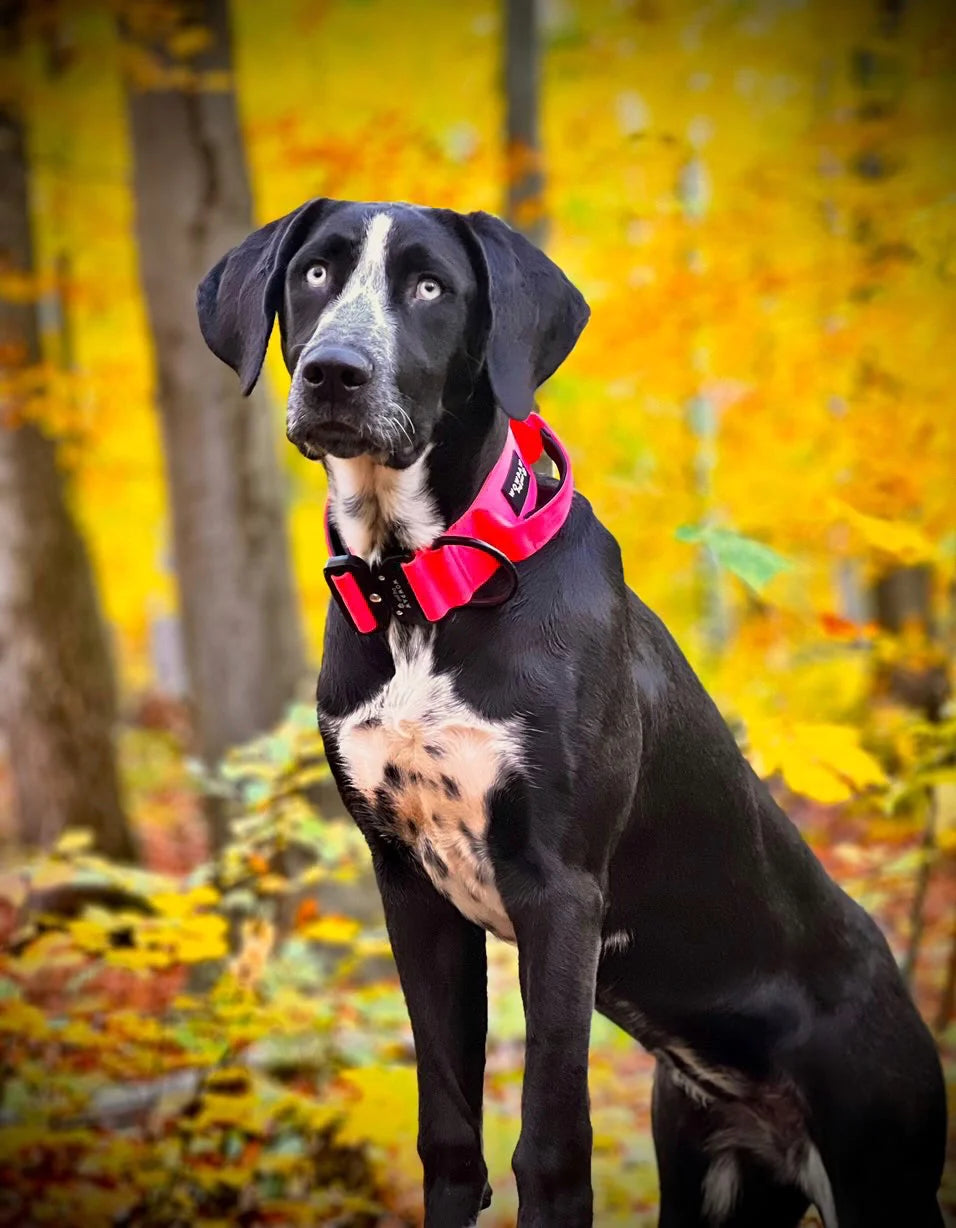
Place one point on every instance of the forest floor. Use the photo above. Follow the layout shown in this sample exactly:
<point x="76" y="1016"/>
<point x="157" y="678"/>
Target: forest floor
<point x="875" y="860"/>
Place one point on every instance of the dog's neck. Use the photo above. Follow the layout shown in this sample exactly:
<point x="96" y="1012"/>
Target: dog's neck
<point x="378" y="510"/>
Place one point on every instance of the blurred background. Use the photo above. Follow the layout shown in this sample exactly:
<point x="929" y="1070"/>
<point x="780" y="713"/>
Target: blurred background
<point x="199" y="1019"/>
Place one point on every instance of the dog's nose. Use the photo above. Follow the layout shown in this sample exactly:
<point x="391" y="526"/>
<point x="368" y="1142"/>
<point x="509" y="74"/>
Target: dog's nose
<point x="336" y="370"/>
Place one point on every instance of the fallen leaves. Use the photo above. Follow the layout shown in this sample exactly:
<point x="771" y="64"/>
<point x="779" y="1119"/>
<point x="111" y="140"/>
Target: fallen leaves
<point x="202" y="1105"/>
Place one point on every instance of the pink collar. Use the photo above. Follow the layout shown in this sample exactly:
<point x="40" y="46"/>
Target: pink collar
<point x="510" y="519"/>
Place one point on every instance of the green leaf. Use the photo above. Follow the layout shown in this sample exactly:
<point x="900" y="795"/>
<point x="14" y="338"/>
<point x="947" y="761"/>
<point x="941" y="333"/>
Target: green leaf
<point x="752" y="561"/>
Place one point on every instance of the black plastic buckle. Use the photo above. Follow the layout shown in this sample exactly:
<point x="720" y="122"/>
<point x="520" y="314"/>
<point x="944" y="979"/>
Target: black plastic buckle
<point x="384" y="587"/>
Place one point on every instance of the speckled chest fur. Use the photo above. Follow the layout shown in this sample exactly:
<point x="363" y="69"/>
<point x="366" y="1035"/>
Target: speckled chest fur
<point x="426" y="763"/>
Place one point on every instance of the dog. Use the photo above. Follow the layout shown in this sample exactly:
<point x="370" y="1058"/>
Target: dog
<point x="529" y="754"/>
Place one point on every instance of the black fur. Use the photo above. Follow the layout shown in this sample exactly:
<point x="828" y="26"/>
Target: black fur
<point x="770" y="998"/>
<point x="238" y="299"/>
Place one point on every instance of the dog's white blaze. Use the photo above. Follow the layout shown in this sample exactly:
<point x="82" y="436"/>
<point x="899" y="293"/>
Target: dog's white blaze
<point x="437" y="759"/>
<point x="385" y="500"/>
<point x="362" y="307"/>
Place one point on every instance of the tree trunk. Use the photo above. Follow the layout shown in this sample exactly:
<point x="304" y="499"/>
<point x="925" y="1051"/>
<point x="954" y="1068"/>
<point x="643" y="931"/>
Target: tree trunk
<point x="903" y="604"/>
<point x="525" y="208"/>
<point x="57" y="694"/>
<point x="902" y="596"/>
<point x="240" y="619"/>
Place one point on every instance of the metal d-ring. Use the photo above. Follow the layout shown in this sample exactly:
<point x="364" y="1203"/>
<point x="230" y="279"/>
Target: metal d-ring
<point x="474" y="543"/>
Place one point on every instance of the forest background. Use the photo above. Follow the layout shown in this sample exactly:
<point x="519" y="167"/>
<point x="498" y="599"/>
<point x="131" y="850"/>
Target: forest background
<point x="199" y="1019"/>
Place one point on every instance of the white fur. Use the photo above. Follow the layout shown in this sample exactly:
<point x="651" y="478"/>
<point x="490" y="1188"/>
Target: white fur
<point x="395" y="500"/>
<point x="450" y="758"/>
<point x="799" y="1165"/>
<point x="620" y="940"/>
<point x="693" y="1069"/>
<point x="815" y="1183"/>
<point x="362" y="308"/>
<point x="721" y="1187"/>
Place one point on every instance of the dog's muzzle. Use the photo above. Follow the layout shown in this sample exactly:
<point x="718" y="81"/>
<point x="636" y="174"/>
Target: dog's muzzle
<point x="329" y="405"/>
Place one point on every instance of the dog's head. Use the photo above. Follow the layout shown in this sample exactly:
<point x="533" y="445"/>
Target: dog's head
<point x="388" y="313"/>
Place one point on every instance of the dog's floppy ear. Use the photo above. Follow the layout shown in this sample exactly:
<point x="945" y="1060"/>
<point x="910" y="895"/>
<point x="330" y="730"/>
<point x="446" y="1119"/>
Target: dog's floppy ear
<point x="238" y="299"/>
<point x="535" y="315"/>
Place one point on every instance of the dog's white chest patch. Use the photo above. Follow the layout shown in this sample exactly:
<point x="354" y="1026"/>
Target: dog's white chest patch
<point x="426" y="762"/>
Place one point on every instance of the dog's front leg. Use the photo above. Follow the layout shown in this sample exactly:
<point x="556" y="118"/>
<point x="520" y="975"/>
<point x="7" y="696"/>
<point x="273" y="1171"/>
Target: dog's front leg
<point x="442" y="967"/>
<point x="558" y="928"/>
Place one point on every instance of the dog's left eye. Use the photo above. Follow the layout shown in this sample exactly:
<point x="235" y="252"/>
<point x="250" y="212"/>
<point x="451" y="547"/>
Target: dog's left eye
<point x="316" y="274"/>
<point x="428" y="288"/>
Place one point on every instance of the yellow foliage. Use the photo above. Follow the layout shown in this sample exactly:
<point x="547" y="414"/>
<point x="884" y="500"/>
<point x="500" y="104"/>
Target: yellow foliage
<point x="244" y="1112"/>
<point x="178" y="935"/>
<point x="385" y="1105"/>
<point x="337" y="931"/>
<point x="189" y="41"/>
<point x="134" y="1026"/>
<point x="17" y="1018"/>
<point x="50" y="950"/>
<point x="901" y="540"/>
<point x="821" y="761"/>
<point x="73" y="841"/>
<point x="50" y="872"/>
<point x="273" y="884"/>
<point x="819" y="352"/>
<point x="180" y="904"/>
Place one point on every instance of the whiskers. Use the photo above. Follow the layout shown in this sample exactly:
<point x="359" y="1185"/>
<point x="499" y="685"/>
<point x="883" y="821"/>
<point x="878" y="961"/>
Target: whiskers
<point x="390" y="424"/>
<point x="407" y="416"/>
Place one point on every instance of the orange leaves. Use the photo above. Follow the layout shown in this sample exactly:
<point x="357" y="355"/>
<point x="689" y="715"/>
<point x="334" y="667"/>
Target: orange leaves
<point x="21" y="287"/>
<point x="836" y="627"/>
<point x="258" y="864"/>
<point x="307" y="910"/>
<point x="819" y="392"/>
<point x="522" y="161"/>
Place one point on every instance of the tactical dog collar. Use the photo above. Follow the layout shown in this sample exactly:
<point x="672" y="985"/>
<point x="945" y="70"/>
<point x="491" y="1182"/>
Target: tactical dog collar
<point x="510" y="519"/>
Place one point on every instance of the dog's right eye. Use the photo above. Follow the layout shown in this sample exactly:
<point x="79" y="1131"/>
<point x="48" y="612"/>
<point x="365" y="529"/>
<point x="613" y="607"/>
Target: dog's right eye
<point x="316" y="274"/>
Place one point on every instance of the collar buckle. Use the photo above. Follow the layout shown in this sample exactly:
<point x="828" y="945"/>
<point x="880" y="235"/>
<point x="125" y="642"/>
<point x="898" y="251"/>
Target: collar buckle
<point x="370" y="596"/>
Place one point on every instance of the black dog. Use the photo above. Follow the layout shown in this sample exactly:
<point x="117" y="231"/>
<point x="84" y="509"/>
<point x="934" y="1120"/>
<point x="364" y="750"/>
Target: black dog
<point x="551" y="770"/>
